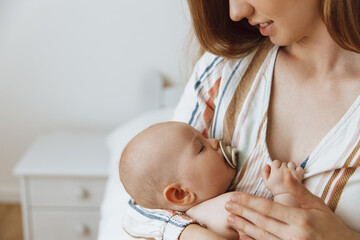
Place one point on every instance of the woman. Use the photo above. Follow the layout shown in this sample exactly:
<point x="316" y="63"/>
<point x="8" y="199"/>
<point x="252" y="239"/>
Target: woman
<point x="298" y="102"/>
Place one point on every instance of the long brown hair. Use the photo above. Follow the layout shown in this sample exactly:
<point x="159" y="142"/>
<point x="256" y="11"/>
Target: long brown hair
<point x="218" y="34"/>
<point x="342" y="20"/>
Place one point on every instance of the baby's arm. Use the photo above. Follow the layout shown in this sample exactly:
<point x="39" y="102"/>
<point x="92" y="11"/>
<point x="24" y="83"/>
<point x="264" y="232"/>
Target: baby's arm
<point x="212" y="213"/>
<point x="273" y="177"/>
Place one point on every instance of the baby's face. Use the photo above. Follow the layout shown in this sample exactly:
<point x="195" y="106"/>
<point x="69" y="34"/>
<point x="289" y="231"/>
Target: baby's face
<point x="202" y="165"/>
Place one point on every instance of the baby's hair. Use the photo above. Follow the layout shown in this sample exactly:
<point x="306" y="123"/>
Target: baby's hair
<point x="143" y="190"/>
<point x="143" y="175"/>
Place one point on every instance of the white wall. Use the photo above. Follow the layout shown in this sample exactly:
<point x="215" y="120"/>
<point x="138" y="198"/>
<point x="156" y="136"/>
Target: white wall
<point x="77" y="64"/>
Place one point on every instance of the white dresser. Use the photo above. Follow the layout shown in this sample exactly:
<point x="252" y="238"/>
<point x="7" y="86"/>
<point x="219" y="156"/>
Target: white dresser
<point x="62" y="180"/>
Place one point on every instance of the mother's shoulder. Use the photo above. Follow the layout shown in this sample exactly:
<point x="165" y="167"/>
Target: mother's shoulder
<point x="211" y="63"/>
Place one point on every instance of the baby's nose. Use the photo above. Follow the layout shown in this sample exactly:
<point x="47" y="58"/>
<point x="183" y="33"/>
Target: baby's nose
<point x="214" y="143"/>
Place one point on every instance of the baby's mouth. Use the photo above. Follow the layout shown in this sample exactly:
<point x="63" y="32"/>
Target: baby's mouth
<point x="230" y="154"/>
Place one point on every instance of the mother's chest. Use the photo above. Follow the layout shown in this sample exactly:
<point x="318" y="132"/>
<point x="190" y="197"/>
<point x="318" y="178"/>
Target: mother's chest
<point x="300" y="118"/>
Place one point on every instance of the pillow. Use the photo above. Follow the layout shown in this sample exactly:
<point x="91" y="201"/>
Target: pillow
<point x="115" y="197"/>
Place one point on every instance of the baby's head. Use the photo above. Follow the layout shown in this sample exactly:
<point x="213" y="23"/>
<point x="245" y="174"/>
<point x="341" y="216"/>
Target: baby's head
<point x="171" y="165"/>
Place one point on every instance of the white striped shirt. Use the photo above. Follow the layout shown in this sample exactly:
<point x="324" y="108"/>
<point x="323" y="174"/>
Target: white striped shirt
<point x="211" y="102"/>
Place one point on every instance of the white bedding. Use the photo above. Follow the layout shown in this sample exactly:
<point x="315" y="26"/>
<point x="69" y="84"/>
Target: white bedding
<point x="115" y="197"/>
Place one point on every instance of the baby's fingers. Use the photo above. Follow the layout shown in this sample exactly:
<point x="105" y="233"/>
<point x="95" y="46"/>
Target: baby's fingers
<point x="265" y="172"/>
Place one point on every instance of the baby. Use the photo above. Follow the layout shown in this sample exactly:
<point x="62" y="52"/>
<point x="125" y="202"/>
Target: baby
<point x="173" y="166"/>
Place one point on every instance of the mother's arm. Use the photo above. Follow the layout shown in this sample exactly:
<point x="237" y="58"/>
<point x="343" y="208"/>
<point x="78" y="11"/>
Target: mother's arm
<point x="269" y="220"/>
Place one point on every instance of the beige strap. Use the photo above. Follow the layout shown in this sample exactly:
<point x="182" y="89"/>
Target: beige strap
<point x="242" y="91"/>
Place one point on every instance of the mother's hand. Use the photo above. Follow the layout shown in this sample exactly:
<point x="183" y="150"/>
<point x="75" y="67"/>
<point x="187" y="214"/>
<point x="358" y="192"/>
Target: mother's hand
<point x="266" y="219"/>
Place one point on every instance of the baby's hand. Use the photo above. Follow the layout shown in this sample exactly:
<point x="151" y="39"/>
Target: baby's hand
<point x="273" y="175"/>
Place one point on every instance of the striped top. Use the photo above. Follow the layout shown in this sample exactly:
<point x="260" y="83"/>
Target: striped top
<point x="220" y="102"/>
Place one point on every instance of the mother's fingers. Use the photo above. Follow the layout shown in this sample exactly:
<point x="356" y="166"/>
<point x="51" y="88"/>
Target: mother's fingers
<point x="264" y="206"/>
<point x="263" y="222"/>
<point x="302" y="194"/>
<point x="245" y="237"/>
<point x="249" y="229"/>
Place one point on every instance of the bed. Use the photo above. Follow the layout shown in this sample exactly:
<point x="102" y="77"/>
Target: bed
<point x="162" y="104"/>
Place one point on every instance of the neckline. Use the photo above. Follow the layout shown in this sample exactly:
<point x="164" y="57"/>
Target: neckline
<point x="325" y="139"/>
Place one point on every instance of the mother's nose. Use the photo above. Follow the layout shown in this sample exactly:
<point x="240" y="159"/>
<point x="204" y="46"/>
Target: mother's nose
<point x="240" y="9"/>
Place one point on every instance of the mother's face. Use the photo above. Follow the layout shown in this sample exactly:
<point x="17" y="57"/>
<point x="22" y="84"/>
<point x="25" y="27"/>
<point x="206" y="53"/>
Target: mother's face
<point x="284" y="21"/>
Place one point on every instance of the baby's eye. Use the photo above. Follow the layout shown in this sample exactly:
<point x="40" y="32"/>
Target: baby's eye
<point x="201" y="148"/>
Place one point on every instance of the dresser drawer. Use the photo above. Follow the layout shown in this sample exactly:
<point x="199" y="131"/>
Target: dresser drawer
<point x="86" y="192"/>
<point x="63" y="225"/>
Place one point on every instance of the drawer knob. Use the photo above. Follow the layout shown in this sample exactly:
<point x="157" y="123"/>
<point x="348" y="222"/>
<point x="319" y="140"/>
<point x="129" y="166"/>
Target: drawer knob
<point x="82" y="192"/>
<point x="82" y="229"/>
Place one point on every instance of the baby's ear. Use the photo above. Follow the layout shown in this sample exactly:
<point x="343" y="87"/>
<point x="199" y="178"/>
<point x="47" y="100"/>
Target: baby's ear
<point x="175" y="194"/>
